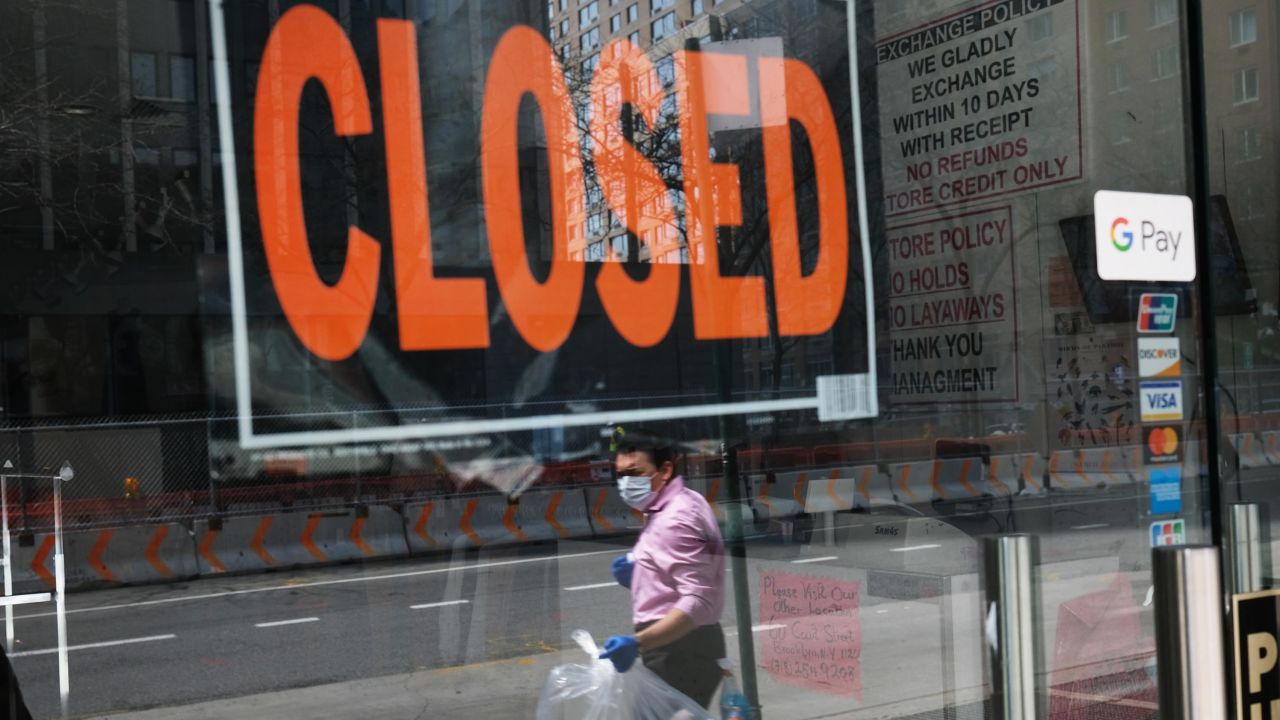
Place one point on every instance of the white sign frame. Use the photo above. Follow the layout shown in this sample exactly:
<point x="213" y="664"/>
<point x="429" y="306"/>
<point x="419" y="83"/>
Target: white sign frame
<point x="828" y="406"/>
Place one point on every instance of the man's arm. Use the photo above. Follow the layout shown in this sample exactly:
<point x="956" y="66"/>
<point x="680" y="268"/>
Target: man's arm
<point x="673" y="626"/>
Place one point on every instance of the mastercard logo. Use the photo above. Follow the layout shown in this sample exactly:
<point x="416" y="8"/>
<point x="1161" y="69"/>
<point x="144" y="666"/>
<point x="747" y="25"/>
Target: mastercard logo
<point x="1163" y="441"/>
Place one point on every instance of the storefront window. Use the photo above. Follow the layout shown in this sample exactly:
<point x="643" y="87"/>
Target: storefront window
<point x="360" y="323"/>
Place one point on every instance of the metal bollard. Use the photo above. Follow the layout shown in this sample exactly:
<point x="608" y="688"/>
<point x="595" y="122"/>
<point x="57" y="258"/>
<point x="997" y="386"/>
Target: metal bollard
<point x="1009" y="565"/>
<point x="1246" y="547"/>
<point x="1188" y="629"/>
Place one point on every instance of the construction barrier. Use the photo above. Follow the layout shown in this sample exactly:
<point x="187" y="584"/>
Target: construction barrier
<point x="610" y="515"/>
<point x="292" y="539"/>
<point x="958" y="479"/>
<point x="483" y="520"/>
<point x="111" y="556"/>
<point x="1252" y="453"/>
<point x="1021" y="474"/>
<point x="910" y="482"/>
<point x="779" y="495"/>
<point x="1090" y="468"/>
<point x="713" y="489"/>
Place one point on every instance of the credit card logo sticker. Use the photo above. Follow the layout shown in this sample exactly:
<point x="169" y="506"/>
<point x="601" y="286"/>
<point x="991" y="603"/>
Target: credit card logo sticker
<point x="1166" y="490"/>
<point x="1161" y="400"/>
<point x="1159" y="357"/>
<point x="1168" y="532"/>
<point x="1163" y="445"/>
<point x="1157" y="312"/>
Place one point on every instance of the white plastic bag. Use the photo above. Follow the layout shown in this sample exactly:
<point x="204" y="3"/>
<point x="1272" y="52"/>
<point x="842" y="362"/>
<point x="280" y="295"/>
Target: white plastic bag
<point x="597" y="691"/>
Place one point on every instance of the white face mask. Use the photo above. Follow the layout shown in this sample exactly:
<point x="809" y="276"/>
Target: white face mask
<point x="637" y="491"/>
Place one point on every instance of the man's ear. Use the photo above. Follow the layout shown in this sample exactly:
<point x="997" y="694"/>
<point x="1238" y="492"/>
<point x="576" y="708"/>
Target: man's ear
<point x="668" y="471"/>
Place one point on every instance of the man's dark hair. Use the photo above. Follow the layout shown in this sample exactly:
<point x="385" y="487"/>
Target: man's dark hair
<point x="641" y="439"/>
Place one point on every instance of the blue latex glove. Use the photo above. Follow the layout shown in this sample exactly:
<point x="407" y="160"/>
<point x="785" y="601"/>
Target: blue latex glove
<point x="622" y="650"/>
<point x="622" y="569"/>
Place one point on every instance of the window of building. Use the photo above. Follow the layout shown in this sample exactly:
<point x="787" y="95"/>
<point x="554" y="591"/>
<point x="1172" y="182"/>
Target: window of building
<point x="1244" y="27"/>
<point x="657" y="6"/>
<point x="1044" y="68"/>
<point x="590" y="64"/>
<point x="1163" y="12"/>
<point x="182" y="78"/>
<point x="1168" y="62"/>
<point x="666" y="69"/>
<point x="634" y="37"/>
<point x="1244" y="85"/>
<point x="615" y="23"/>
<point x="588" y="14"/>
<point x="551" y="10"/>
<point x="589" y="39"/>
<point x="1118" y="78"/>
<point x="1117" y="26"/>
<point x="142" y="72"/>
<point x="663" y="27"/>
<point x="1040" y="27"/>
<point x="1249" y="144"/>
<point x="564" y="27"/>
<point x="633" y="12"/>
<point x="696" y="7"/>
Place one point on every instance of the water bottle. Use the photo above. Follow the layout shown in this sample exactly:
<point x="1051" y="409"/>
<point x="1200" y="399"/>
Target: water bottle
<point x="733" y="704"/>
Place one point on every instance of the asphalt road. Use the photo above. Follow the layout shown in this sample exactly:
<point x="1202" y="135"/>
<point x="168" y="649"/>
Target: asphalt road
<point x="170" y="645"/>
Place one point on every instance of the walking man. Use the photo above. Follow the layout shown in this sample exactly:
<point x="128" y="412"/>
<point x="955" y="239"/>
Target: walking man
<point x="675" y="572"/>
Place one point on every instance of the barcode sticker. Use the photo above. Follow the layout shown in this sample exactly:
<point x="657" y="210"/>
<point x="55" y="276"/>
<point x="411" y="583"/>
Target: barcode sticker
<point x="844" y="397"/>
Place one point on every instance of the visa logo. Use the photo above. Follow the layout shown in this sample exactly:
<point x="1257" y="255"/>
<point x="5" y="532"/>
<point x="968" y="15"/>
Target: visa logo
<point x="1161" y="401"/>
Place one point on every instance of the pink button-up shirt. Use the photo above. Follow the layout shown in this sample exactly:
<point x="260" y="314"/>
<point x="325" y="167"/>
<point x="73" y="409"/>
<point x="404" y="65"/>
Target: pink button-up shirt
<point x="679" y="559"/>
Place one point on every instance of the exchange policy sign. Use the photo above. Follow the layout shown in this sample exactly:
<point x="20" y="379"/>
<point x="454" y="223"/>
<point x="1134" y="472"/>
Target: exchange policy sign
<point x="520" y="331"/>
<point x="980" y="105"/>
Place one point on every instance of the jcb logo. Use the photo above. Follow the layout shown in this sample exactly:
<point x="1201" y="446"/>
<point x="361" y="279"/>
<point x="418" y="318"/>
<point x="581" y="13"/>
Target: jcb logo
<point x="449" y="313"/>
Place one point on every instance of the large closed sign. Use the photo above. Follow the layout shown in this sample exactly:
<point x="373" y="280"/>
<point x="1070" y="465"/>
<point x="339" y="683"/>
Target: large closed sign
<point x="1257" y="650"/>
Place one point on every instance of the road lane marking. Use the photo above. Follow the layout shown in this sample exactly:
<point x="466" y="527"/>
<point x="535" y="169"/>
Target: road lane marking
<point x="814" y="560"/>
<point x="90" y="646"/>
<point x="576" y="588"/>
<point x="912" y="548"/>
<point x="278" y="623"/>
<point x="445" y="603"/>
<point x="1093" y="526"/>
<point x="293" y="585"/>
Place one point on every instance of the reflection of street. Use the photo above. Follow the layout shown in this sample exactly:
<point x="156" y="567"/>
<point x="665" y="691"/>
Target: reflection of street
<point x="490" y="617"/>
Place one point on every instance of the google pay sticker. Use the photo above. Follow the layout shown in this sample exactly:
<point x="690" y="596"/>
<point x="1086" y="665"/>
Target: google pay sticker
<point x="1159" y="357"/>
<point x="1161" y="400"/>
<point x="1144" y="236"/>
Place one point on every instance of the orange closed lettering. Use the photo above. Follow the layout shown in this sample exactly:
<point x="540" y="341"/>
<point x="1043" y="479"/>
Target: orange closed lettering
<point x="723" y="307"/>
<point x="331" y="321"/>
<point x="523" y="63"/>
<point x="630" y="182"/>
<point x="435" y="313"/>
<point x="806" y="305"/>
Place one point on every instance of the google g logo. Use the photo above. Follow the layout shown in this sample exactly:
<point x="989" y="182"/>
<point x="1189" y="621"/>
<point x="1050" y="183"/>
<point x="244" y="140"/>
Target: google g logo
<point x="1120" y="231"/>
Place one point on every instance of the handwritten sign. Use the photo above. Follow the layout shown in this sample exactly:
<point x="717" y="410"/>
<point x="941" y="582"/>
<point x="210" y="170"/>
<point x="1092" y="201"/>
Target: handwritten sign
<point x="815" y="636"/>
